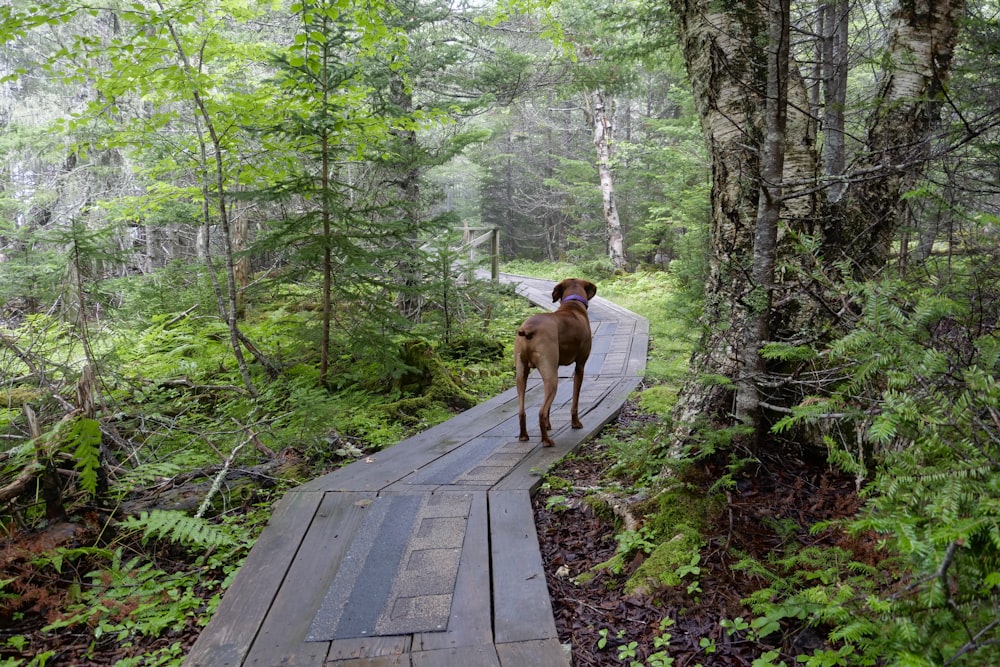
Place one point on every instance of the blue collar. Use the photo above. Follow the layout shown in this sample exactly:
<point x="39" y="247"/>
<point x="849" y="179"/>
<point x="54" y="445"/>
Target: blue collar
<point x="576" y="297"/>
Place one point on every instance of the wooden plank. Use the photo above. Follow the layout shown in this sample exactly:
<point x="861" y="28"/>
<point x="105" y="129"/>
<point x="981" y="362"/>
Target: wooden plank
<point x="522" y="609"/>
<point x="226" y="639"/>
<point x="468" y="656"/>
<point x="382" y="661"/>
<point x="368" y="647"/>
<point x="396" y="462"/>
<point x="638" y="352"/>
<point x="544" y="653"/>
<point x="527" y="475"/>
<point x="470" y="623"/>
<point x="281" y="640"/>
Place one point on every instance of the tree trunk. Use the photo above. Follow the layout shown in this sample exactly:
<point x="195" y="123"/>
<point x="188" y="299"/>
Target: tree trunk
<point x="729" y="73"/>
<point x="769" y="208"/>
<point x="407" y="180"/>
<point x="230" y="309"/>
<point x="602" y="121"/>
<point x="834" y="76"/>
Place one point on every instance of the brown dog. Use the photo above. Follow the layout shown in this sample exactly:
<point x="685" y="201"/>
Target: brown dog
<point x="550" y="340"/>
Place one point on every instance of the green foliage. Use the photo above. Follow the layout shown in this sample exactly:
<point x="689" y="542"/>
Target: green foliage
<point x="630" y="542"/>
<point x="915" y="417"/>
<point x="82" y="437"/>
<point x="669" y="562"/>
<point x="128" y="594"/>
<point x="177" y="527"/>
<point x="629" y="651"/>
<point x="129" y="597"/>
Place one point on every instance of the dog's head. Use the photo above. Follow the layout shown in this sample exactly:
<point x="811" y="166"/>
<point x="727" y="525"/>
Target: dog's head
<point x="574" y="286"/>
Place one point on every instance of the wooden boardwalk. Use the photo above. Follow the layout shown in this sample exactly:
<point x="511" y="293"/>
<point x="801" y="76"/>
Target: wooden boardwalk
<point x="424" y="554"/>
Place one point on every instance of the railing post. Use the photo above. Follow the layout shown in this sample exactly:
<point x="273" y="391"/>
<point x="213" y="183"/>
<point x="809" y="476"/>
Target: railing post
<point x="495" y="255"/>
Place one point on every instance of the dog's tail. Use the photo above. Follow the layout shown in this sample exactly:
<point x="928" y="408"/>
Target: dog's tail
<point x="527" y="332"/>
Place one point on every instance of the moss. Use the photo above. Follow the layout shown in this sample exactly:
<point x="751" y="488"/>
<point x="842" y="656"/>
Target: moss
<point x="659" y="400"/>
<point x="600" y="507"/>
<point x="16" y="397"/>
<point x="426" y="383"/>
<point x="660" y="569"/>
<point x="556" y="483"/>
<point x="677" y="506"/>
<point x="680" y="516"/>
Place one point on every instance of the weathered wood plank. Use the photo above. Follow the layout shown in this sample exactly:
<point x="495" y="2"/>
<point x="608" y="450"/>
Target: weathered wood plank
<point x="281" y="640"/>
<point x="395" y="463"/>
<point x="544" y="653"/>
<point x="522" y="609"/>
<point x="368" y="647"/>
<point x="382" y="661"/>
<point x="226" y="639"/>
<point x="527" y="475"/>
<point x="467" y="656"/>
<point x="470" y="623"/>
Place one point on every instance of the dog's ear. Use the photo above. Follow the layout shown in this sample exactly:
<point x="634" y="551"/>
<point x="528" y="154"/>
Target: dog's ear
<point x="557" y="291"/>
<point x="591" y="289"/>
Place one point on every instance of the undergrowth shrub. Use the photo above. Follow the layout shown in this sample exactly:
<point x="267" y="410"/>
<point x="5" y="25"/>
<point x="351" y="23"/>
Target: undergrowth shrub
<point x="920" y="425"/>
<point x="126" y="593"/>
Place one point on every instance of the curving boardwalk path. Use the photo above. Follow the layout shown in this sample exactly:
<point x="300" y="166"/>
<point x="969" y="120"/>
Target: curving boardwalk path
<point x="424" y="554"/>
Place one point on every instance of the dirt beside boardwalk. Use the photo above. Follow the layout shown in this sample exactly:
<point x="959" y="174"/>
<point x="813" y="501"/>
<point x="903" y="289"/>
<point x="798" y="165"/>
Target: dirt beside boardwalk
<point x="574" y="538"/>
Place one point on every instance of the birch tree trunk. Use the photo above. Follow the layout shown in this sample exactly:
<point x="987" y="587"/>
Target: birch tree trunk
<point x="769" y="194"/>
<point x="729" y="74"/>
<point x="833" y="64"/>
<point x="602" y="120"/>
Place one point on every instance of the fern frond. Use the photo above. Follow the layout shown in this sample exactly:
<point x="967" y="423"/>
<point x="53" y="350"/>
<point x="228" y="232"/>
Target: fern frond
<point x="179" y="528"/>
<point x="85" y="438"/>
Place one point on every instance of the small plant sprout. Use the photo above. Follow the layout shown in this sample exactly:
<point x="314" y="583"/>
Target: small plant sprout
<point x="627" y="651"/>
<point x="557" y="503"/>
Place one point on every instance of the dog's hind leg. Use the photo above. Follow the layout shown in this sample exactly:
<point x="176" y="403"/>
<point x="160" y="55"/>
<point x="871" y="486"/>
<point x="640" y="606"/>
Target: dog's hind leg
<point x="577" y="384"/>
<point x="521" y="375"/>
<point x="550" y="381"/>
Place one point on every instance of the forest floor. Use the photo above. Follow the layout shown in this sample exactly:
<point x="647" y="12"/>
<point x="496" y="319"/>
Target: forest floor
<point x="790" y="490"/>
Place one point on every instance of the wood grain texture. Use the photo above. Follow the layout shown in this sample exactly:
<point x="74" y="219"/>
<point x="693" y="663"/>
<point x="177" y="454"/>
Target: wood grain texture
<point x="543" y="653"/>
<point x="281" y="639"/>
<point x="225" y="641"/>
<point x="522" y="609"/>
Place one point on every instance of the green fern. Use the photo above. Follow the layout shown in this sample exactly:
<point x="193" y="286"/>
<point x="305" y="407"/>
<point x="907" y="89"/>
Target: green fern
<point x="916" y="417"/>
<point x="778" y="351"/>
<point x="85" y="439"/>
<point x="178" y="527"/>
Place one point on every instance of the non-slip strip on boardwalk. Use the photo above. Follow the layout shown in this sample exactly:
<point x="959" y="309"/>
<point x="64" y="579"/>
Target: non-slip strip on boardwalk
<point x="399" y="574"/>
<point x="424" y="554"/>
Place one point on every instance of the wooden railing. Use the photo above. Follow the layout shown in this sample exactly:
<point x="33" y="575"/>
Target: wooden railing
<point x="472" y="242"/>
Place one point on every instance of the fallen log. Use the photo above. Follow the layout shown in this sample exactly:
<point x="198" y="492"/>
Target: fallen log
<point x="186" y="492"/>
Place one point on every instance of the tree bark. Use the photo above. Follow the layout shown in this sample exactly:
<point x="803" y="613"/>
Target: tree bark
<point x="769" y="210"/>
<point x="729" y="74"/>
<point x="602" y="122"/>
<point x="833" y="62"/>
